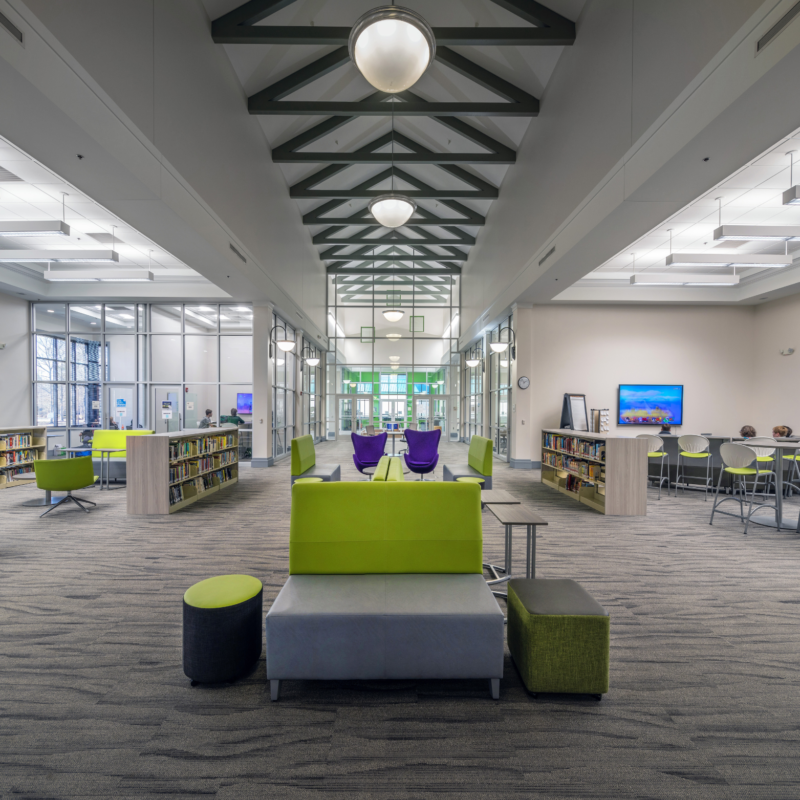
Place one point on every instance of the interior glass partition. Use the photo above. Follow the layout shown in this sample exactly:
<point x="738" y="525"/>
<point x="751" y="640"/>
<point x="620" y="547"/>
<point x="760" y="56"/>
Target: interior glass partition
<point x="473" y="393"/>
<point x="126" y="365"/>
<point x="398" y="363"/>
<point x="313" y="413"/>
<point x="284" y="367"/>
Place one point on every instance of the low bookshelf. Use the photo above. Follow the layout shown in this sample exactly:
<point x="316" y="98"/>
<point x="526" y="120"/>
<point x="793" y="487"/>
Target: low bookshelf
<point x="19" y="448"/>
<point x="607" y="474"/>
<point x="169" y="471"/>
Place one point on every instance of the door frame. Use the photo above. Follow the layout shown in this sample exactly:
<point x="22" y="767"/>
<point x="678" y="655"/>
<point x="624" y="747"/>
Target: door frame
<point x="356" y="398"/>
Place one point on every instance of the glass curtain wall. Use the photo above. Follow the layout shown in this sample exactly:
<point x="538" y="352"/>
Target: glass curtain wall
<point x="312" y="391"/>
<point x="156" y="367"/>
<point x="284" y="367"/>
<point x="499" y="391"/>
<point x="473" y="394"/>
<point x="407" y="367"/>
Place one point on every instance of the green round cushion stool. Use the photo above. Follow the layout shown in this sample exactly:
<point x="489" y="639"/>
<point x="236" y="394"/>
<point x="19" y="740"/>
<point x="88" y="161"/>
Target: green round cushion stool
<point x="470" y="480"/>
<point x="222" y="620"/>
<point x="308" y="480"/>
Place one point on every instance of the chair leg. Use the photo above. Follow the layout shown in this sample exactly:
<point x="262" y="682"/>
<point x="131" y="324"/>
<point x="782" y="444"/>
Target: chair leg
<point x="716" y="496"/>
<point x="661" y="476"/>
<point x="677" y="474"/>
<point x="60" y="502"/>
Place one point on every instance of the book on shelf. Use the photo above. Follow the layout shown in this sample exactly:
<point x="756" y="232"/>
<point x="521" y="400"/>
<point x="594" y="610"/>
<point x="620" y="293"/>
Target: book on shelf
<point x="575" y="446"/>
<point x="583" y="468"/>
<point x="19" y="457"/>
<point x="14" y="441"/>
<point x="19" y="472"/>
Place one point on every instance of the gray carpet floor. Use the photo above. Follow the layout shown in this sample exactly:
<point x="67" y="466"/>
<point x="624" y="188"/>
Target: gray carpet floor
<point x="705" y="664"/>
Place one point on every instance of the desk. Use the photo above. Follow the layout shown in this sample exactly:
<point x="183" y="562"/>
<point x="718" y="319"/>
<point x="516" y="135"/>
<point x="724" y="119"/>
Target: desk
<point x="510" y="515"/>
<point x="393" y="435"/>
<point x="791" y="521"/>
<point x="104" y="451"/>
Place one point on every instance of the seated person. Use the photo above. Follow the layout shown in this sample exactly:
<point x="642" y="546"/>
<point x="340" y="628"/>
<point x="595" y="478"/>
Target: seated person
<point x="234" y="418"/>
<point x="206" y="422"/>
<point x="781" y="432"/>
<point x="747" y="432"/>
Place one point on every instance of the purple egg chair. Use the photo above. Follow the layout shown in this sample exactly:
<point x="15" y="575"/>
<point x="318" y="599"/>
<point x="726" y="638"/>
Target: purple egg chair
<point x="368" y="450"/>
<point x="423" y="451"/>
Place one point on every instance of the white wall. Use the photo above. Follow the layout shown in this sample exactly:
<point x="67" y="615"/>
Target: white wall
<point x="711" y="350"/>
<point x="15" y="362"/>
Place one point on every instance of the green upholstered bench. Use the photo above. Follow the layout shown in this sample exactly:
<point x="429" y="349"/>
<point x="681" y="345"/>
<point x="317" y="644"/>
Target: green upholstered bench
<point x="389" y="469"/>
<point x="479" y="463"/>
<point x="304" y="462"/>
<point x="117" y="464"/>
<point x="558" y="636"/>
<point x="222" y="628"/>
<point x="385" y="581"/>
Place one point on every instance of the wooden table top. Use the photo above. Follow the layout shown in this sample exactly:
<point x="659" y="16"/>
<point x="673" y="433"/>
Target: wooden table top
<point x="497" y="496"/>
<point x="516" y="515"/>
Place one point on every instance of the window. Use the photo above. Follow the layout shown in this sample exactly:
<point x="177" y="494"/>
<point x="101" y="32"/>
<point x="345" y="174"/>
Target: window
<point x="284" y="365"/>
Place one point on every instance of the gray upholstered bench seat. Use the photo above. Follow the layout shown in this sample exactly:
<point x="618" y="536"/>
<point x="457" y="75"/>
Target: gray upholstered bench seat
<point x="328" y="472"/>
<point x="452" y="471"/>
<point x="117" y="470"/>
<point x="366" y="627"/>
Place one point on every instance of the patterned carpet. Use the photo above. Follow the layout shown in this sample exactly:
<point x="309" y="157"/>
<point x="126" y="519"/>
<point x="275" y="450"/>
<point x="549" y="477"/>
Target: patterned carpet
<point x="705" y="659"/>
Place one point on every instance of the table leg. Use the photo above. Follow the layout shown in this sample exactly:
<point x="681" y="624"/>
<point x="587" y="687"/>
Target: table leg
<point x="532" y="563"/>
<point x="779" y="487"/>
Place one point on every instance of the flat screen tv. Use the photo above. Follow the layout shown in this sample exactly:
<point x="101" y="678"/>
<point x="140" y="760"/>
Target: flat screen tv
<point x="244" y="403"/>
<point x="650" y="404"/>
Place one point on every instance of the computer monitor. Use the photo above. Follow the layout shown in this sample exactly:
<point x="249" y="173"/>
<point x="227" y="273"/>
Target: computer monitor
<point x="244" y="403"/>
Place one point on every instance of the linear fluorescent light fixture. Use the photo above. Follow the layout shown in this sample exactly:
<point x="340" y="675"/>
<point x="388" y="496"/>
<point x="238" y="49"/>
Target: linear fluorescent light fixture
<point x="49" y="228"/>
<point x="757" y="233"/>
<point x="791" y="197"/>
<point x="118" y="276"/>
<point x="675" y="279"/>
<point x="59" y="256"/>
<point x="727" y="260"/>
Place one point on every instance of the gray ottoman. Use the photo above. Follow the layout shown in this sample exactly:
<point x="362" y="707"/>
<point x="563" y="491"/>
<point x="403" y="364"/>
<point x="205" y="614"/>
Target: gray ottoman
<point x="366" y="627"/>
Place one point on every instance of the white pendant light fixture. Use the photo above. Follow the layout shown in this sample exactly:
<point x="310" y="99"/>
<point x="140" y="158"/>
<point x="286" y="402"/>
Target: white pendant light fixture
<point x="49" y="228"/>
<point x="394" y="336"/>
<point x="676" y="279"/>
<point x="285" y="343"/>
<point x="395" y="366"/>
<point x="791" y="197"/>
<point x="757" y="233"/>
<point x="394" y="358"/>
<point x="727" y="260"/>
<point x="392" y="47"/>
<point x="473" y="362"/>
<point x="59" y="256"/>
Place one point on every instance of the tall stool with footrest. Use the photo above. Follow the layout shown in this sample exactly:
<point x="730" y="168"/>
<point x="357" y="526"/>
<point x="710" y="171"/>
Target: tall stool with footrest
<point x="655" y="449"/>
<point x="737" y="461"/>
<point x="693" y="447"/>
<point x="765" y="453"/>
<point x="222" y="628"/>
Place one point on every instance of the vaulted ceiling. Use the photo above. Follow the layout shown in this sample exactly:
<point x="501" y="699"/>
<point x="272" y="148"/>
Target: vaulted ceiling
<point x="447" y="143"/>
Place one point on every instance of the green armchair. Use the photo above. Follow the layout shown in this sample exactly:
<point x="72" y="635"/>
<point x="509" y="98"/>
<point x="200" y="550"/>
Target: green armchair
<point x="65" y="475"/>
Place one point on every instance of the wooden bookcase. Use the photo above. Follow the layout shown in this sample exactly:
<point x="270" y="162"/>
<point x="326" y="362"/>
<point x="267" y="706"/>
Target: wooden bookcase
<point x="188" y="463"/>
<point x="10" y="448"/>
<point x="607" y="474"/>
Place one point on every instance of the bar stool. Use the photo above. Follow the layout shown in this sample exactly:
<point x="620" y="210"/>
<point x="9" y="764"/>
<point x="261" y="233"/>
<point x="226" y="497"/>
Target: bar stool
<point x="736" y="461"/>
<point x="793" y="484"/>
<point x="692" y="446"/>
<point x="764" y="452"/>
<point x="655" y="449"/>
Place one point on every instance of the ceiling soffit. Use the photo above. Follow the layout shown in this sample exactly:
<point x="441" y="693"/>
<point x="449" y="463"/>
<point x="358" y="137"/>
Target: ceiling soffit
<point x="463" y="137"/>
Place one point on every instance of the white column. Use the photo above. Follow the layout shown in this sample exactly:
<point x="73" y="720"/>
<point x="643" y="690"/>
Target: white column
<point x="262" y="386"/>
<point x="521" y="431"/>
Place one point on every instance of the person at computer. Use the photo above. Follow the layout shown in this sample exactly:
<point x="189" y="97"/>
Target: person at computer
<point x="207" y="422"/>
<point x="234" y="418"/>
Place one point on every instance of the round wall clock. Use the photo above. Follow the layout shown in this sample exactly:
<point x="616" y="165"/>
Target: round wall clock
<point x="524" y="382"/>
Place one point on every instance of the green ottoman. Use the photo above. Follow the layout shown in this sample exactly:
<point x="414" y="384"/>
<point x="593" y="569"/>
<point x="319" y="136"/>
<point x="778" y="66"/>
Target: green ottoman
<point x="558" y="636"/>
<point x="222" y="620"/>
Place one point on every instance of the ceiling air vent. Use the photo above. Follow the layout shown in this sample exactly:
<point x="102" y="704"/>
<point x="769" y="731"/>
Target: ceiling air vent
<point x="778" y="27"/>
<point x="238" y="253"/>
<point x="11" y="27"/>
<point x="8" y="177"/>
<point x="547" y="255"/>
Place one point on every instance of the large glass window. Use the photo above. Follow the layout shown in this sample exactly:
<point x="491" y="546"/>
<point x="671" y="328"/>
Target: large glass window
<point x="96" y="365"/>
<point x="500" y="391"/>
<point x="473" y="393"/>
<point x="283" y="391"/>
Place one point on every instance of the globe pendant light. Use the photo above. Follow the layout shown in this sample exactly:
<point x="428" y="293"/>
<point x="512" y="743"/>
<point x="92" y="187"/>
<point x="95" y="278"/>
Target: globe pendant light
<point x="392" y="47"/>
<point x="393" y="314"/>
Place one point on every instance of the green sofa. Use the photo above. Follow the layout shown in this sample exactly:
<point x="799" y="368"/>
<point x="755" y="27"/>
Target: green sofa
<point x="385" y="582"/>
<point x="389" y="469"/>
<point x="479" y="463"/>
<point x="117" y="466"/>
<point x="304" y="462"/>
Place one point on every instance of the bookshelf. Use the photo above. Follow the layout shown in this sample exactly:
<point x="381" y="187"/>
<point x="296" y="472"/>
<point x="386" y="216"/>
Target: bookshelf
<point x="19" y="448"/>
<point x="169" y="471"/>
<point x="607" y="474"/>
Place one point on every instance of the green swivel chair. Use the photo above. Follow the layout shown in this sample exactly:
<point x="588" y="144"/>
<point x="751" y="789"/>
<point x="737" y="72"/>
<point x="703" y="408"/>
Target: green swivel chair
<point x="65" y="475"/>
<point x="655" y="449"/>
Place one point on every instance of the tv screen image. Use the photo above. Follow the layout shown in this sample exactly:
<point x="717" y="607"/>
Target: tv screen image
<point x="650" y="404"/>
<point x="244" y="403"/>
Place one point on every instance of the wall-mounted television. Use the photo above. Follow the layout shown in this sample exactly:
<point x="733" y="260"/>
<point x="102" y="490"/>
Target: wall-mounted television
<point x="650" y="404"/>
<point x="244" y="403"/>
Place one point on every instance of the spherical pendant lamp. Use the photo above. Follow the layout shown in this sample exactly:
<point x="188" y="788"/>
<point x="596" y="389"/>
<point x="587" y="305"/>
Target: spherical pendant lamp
<point x="392" y="47"/>
<point x="394" y="336"/>
<point x="392" y="210"/>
